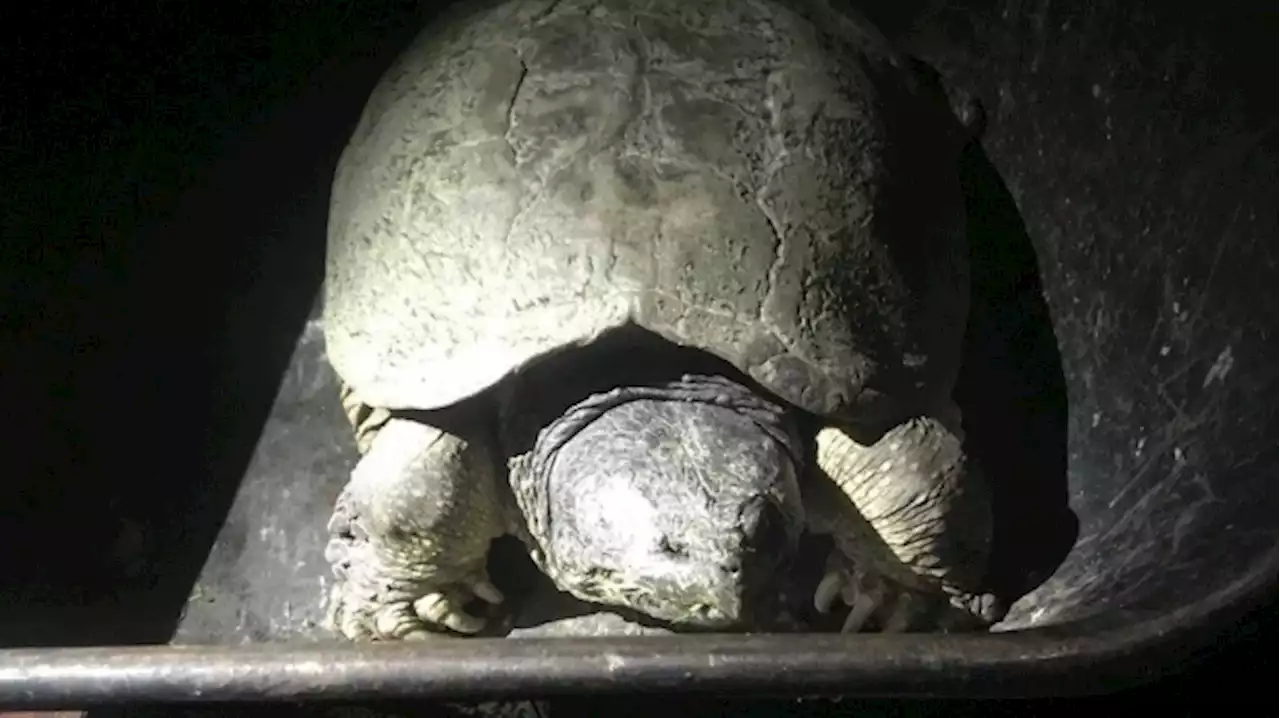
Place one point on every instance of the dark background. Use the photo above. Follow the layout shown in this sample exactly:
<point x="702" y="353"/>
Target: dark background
<point x="137" y="232"/>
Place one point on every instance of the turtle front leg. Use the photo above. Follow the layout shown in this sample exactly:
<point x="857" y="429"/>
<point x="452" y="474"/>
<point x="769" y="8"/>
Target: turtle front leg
<point x="410" y="534"/>
<point x="913" y="531"/>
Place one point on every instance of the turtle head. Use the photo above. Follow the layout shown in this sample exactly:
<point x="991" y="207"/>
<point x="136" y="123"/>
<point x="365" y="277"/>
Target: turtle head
<point x="678" y="501"/>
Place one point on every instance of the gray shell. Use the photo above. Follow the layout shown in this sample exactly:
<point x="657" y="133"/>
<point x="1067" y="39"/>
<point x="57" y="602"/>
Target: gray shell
<point x="765" y="181"/>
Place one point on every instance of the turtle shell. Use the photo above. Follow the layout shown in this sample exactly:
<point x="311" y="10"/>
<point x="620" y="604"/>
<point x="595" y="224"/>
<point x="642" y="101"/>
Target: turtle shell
<point x="766" y="181"/>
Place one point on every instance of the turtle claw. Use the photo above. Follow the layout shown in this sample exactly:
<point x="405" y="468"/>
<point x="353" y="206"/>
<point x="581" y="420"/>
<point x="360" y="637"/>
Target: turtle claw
<point x="828" y="591"/>
<point x="366" y="616"/>
<point x="879" y="604"/>
<point x="861" y="607"/>
<point x="863" y="598"/>
<point x="395" y="621"/>
<point x="444" y="610"/>
<point x="487" y="592"/>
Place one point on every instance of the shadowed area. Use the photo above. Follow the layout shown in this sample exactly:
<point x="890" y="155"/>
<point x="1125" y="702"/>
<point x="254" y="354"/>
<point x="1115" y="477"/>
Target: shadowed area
<point x="163" y="241"/>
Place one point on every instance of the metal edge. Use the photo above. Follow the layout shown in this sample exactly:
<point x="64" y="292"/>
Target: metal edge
<point x="1071" y="659"/>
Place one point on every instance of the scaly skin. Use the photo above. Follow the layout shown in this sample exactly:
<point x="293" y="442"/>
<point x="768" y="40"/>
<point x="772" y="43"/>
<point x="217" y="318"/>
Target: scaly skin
<point x="911" y="519"/>
<point x="410" y="533"/>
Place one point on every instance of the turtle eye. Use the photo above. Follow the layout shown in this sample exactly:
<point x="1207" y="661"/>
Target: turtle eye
<point x="672" y="548"/>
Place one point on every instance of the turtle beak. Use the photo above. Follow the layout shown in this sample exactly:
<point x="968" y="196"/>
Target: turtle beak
<point x="732" y="586"/>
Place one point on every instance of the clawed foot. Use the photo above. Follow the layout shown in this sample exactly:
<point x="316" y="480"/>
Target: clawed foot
<point x="862" y="595"/>
<point x="380" y="593"/>
<point x="878" y="602"/>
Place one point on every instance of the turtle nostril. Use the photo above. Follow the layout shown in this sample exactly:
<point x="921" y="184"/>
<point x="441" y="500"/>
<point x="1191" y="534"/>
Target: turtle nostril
<point x="672" y="548"/>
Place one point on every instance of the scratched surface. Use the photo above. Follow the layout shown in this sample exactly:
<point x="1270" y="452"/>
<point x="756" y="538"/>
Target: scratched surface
<point x="1145" y="176"/>
<point x="1144" y="183"/>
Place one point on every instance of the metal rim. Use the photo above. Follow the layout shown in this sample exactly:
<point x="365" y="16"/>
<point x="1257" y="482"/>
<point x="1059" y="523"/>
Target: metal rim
<point x="1070" y="659"/>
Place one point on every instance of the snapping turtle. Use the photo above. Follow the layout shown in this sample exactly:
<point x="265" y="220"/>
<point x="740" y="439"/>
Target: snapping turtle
<point x="654" y="287"/>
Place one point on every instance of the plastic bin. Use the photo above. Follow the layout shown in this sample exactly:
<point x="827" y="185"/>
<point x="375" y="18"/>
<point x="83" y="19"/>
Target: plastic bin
<point x="1120" y="380"/>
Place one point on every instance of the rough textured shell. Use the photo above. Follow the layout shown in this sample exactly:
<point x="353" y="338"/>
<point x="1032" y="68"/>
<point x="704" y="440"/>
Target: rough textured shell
<point x="764" y="181"/>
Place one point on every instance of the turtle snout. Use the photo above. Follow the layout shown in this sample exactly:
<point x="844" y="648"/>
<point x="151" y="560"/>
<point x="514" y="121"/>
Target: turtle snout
<point x="718" y="573"/>
<point x="737" y="579"/>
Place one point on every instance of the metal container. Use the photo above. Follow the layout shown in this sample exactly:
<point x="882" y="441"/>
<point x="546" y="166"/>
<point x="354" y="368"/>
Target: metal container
<point x="1120" y="377"/>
